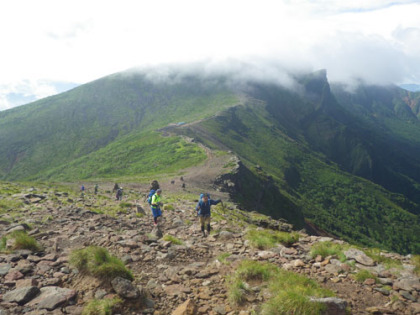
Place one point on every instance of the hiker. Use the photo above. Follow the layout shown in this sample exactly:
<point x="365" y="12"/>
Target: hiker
<point x="82" y="191"/>
<point x="119" y="193"/>
<point x="96" y="189"/>
<point x="204" y="213"/>
<point x="155" y="205"/>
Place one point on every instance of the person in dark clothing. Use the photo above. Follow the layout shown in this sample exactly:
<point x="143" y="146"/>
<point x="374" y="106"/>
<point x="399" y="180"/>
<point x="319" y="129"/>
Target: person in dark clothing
<point x="204" y="212"/>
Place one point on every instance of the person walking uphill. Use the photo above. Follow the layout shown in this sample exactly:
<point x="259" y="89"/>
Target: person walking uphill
<point x="156" y="204"/>
<point x="204" y="213"/>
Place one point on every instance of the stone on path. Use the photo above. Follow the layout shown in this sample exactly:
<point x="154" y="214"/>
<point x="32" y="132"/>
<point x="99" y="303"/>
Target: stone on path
<point x="125" y="288"/>
<point x="186" y="308"/>
<point x="335" y="306"/>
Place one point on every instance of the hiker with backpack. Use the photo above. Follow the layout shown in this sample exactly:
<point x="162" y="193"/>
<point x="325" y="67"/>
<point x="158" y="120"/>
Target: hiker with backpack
<point x="119" y="194"/>
<point x="155" y="203"/>
<point x="204" y="213"/>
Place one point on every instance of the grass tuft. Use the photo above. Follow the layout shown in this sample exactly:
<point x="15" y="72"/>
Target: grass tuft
<point x="101" y="307"/>
<point x="96" y="261"/>
<point x="222" y="258"/>
<point x="172" y="239"/>
<point x="21" y="241"/>
<point x="363" y="274"/>
<point x="264" y="239"/>
<point x="290" y="292"/>
<point x="415" y="260"/>
<point x="168" y="207"/>
<point x="326" y="249"/>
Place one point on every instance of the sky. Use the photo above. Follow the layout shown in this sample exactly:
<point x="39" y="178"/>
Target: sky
<point x="48" y="41"/>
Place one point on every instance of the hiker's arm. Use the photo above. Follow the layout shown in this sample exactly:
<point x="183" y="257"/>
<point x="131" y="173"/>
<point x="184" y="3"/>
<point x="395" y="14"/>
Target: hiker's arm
<point x="198" y="207"/>
<point x="215" y="202"/>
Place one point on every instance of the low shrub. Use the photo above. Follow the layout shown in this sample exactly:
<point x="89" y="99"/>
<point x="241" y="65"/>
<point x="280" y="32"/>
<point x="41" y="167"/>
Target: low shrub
<point x="96" y="261"/>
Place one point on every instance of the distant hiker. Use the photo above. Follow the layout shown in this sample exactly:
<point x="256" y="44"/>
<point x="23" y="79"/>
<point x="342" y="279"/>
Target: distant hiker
<point x="183" y="185"/>
<point x="116" y="187"/>
<point x="96" y="189"/>
<point x="203" y="211"/>
<point x="155" y="205"/>
<point x="172" y="182"/>
<point x="181" y="178"/>
<point x="119" y="194"/>
<point x="82" y="191"/>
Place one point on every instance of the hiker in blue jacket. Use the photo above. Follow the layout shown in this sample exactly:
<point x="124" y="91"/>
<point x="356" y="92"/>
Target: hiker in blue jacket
<point x="204" y="213"/>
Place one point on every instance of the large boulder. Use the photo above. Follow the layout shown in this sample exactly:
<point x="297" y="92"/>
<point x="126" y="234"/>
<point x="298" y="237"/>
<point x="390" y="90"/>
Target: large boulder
<point x="359" y="256"/>
<point x="53" y="297"/>
<point x="22" y="295"/>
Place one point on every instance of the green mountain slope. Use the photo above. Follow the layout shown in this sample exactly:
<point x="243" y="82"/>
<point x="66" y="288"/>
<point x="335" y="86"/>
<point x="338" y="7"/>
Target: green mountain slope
<point x="59" y="129"/>
<point x="347" y="163"/>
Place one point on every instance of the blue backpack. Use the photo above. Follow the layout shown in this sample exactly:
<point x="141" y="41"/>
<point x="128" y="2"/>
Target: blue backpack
<point x="149" y="197"/>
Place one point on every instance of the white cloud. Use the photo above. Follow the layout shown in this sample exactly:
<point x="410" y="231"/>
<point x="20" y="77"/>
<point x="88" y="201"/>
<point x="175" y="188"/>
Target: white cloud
<point x="79" y="41"/>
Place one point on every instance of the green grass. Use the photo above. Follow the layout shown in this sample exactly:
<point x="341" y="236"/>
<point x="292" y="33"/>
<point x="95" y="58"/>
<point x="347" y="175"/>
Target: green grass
<point x="375" y="254"/>
<point x="290" y="292"/>
<point x="222" y="258"/>
<point x="21" y="241"/>
<point x="101" y="307"/>
<point x="415" y="260"/>
<point x="326" y="249"/>
<point x="172" y="239"/>
<point x="168" y="207"/>
<point x="97" y="262"/>
<point x="264" y="239"/>
<point x="363" y="274"/>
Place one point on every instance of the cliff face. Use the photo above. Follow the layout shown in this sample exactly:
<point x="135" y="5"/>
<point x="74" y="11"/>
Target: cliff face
<point x="257" y="191"/>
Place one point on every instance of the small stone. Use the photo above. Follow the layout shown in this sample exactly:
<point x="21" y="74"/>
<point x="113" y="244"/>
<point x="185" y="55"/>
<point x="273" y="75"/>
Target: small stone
<point x="369" y="281"/>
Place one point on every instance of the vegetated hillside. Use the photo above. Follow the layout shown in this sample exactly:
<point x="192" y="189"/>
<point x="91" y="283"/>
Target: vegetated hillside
<point x="57" y="130"/>
<point x="306" y="141"/>
<point x="302" y="151"/>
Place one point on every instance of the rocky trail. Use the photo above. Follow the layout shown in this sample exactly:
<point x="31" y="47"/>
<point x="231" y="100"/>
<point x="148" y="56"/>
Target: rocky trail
<point x="176" y="270"/>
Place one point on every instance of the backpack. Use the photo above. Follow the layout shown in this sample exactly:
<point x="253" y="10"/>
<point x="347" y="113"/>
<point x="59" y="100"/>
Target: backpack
<point x="149" y="197"/>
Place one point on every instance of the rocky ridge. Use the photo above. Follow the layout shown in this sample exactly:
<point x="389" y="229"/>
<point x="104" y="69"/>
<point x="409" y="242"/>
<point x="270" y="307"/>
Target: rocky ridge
<point x="189" y="278"/>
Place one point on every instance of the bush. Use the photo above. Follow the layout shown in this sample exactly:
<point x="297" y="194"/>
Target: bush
<point x="96" y="261"/>
<point x="236" y="291"/>
<point x="101" y="307"/>
<point x="172" y="239"/>
<point x="264" y="239"/>
<point x="326" y="249"/>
